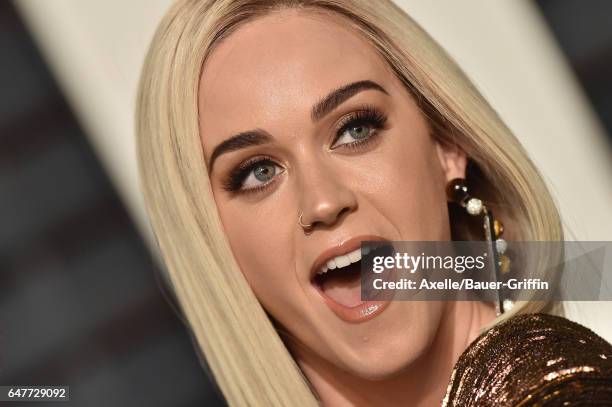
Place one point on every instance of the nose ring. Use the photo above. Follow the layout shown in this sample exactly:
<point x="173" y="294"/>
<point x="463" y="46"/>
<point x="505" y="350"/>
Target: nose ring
<point x="302" y="224"/>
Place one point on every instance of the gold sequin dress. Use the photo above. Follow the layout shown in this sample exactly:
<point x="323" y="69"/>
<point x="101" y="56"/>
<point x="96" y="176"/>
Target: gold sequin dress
<point x="533" y="360"/>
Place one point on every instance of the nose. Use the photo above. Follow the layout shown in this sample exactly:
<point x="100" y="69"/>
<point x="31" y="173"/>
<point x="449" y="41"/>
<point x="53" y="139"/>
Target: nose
<point x="323" y="197"/>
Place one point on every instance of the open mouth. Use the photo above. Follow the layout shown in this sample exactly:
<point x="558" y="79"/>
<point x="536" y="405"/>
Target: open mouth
<point x="339" y="281"/>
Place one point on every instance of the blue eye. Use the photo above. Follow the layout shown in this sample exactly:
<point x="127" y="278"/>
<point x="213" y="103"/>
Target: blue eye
<point x="352" y="134"/>
<point x="261" y="173"/>
<point x="253" y="175"/>
<point x="359" y="128"/>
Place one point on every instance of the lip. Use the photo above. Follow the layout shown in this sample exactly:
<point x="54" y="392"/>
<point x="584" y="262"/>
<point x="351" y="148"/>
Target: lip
<point x="345" y="247"/>
<point x="362" y="312"/>
<point x="357" y="314"/>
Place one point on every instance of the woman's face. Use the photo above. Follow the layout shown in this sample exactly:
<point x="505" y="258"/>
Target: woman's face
<point x="360" y="164"/>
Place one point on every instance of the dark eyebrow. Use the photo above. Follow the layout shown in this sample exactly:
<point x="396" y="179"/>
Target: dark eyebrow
<point x="239" y="141"/>
<point x="336" y="97"/>
<point x="319" y="110"/>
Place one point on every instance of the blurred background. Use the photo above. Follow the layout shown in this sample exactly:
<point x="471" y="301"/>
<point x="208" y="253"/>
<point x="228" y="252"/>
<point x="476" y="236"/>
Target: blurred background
<point x="81" y="299"/>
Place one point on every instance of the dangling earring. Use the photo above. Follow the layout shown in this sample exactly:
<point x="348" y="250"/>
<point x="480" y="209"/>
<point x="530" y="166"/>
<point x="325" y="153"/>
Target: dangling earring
<point x="457" y="192"/>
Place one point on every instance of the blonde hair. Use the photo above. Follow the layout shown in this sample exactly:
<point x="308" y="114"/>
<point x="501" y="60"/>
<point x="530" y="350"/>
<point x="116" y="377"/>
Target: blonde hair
<point x="250" y="363"/>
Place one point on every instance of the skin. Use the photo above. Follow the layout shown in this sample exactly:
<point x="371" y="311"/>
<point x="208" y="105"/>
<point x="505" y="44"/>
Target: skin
<point x="268" y="75"/>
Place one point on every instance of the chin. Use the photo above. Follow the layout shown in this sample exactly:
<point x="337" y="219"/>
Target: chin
<point x="380" y="363"/>
<point x="397" y="342"/>
<point x="394" y="344"/>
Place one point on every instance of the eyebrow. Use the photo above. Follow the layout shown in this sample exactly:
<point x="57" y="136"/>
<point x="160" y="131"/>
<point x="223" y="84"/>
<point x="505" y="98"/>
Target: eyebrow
<point x="319" y="110"/>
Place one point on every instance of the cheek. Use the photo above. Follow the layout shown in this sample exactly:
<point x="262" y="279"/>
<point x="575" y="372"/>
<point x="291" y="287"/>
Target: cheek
<point x="409" y="186"/>
<point x="262" y="247"/>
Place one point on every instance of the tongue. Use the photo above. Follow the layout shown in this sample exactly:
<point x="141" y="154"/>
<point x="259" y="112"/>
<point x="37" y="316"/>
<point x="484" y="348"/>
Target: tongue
<point x="343" y="287"/>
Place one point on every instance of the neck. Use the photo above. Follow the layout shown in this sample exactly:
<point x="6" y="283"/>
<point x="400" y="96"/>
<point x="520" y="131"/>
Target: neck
<point x="423" y="383"/>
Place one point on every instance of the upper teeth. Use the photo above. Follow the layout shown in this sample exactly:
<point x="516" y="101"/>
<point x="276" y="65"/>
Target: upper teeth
<point x="341" y="261"/>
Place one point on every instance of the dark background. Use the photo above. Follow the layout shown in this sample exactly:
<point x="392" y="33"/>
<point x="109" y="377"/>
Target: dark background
<point x="583" y="29"/>
<point x="81" y="301"/>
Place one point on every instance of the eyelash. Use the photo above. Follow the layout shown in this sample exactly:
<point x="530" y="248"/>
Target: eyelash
<point x="236" y="177"/>
<point x="367" y="115"/>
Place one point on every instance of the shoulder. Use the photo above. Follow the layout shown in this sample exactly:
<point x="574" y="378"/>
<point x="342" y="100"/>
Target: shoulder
<point x="532" y="358"/>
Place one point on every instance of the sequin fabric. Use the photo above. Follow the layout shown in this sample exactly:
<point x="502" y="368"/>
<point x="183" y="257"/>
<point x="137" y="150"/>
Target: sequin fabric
<point x="533" y="360"/>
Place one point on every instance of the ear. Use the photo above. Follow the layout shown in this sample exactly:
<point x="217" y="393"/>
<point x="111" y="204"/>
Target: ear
<point x="452" y="160"/>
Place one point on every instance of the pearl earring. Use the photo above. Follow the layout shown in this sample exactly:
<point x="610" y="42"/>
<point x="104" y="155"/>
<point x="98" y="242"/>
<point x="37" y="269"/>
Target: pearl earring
<point x="457" y="192"/>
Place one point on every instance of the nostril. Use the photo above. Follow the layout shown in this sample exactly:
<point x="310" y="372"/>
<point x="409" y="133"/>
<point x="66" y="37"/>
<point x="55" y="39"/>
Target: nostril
<point x="326" y="217"/>
<point x="343" y="212"/>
